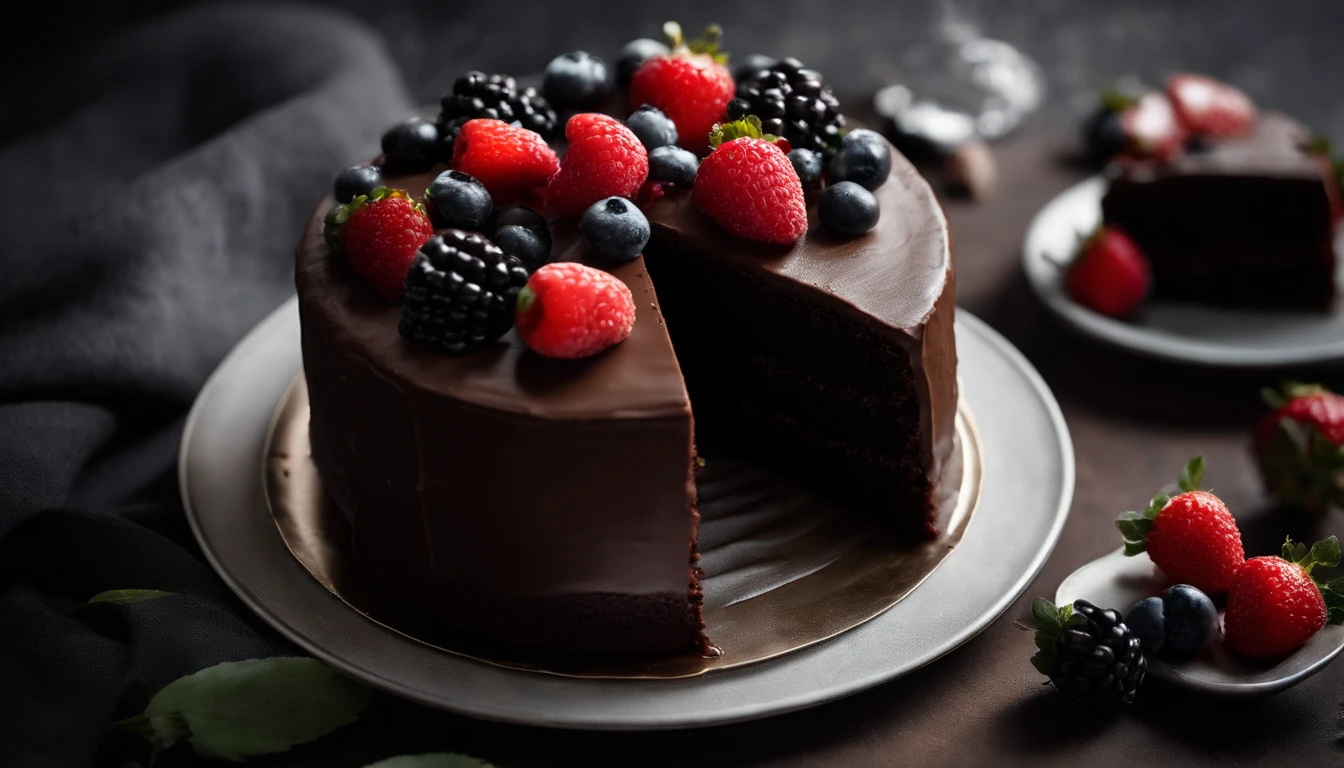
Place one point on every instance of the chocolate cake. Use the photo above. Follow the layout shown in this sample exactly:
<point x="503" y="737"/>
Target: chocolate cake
<point x="1246" y="220"/>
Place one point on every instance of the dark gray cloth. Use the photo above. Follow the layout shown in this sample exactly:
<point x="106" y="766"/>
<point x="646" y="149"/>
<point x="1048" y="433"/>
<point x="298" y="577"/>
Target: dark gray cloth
<point x="156" y="189"/>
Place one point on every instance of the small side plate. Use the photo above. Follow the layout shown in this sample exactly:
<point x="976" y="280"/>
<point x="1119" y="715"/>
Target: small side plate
<point x="1116" y="581"/>
<point x="1175" y="331"/>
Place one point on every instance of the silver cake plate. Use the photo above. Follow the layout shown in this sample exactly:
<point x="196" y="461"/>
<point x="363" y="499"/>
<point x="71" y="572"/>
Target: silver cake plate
<point x="1169" y="330"/>
<point x="1028" y="478"/>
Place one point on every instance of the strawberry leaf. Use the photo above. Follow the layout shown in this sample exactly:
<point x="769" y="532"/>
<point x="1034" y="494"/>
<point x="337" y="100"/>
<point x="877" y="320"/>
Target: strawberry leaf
<point x="1134" y="527"/>
<point x="1047" y="620"/>
<point x="1192" y="475"/>
<point x="1325" y="553"/>
<point x="748" y="127"/>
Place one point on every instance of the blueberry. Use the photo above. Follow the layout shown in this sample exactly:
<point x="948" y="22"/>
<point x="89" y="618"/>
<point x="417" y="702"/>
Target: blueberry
<point x="751" y="66"/>
<point x="864" y="158"/>
<point x="524" y="245"/>
<point x="674" y="165"/>
<point x="576" y="81"/>
<point x="633" y="55"/>
<point x="615" y="228"/>
<point x="848" y="209"/>
<point x="1192" y="619"/>
<point x="652" y="127"/>
<point x="412" y="145"/>
<point x="522" y="216"/>
<point x="460" y="201"/>
<point x="355" y="181"/>
<point x="1146" y="621"/>
<point x="1104" y="135"/>
<point x="808" y="165"/>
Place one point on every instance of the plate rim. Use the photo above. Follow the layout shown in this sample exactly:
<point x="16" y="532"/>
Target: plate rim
<point x="1137" y="339"/>
<point x="739" y="713"/>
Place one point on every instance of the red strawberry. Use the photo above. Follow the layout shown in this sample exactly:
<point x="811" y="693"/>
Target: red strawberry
<point x="380" y="235"/>
<point x="571" y="311"/>
<point x="1151" y="127"/>
<point x="1191" y="537"/>
<point x="1110" y="274"/>
<point x="749" y="186"/>
<point x="510" y="161"/>
<point x="1208" y="107"/>
<point x="1300" y="446"/>
<point x="690" y="85"/>
<point x="1274" y="605"/>
<point x="604" y="159"/>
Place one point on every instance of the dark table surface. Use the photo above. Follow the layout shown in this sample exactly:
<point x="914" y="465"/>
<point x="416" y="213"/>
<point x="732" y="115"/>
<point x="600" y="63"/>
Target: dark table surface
<point x="1133" y="422"/>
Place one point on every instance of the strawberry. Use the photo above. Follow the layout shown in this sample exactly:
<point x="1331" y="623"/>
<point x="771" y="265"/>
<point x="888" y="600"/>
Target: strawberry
<point x="1151" y="127"/>
<point x="749" y="186"/>
<point x="570" y="311"/>
<point x="1300" y="446"/>
<point x="690" y="85"/>
<point x="379" y="234"/>
<point x="604" y="159"/>
<point x="510" y="161"/>
<point x="1207" y="107"/>
<point x="1191" y="537"/>
<point x="1274" y="605"/>
<point x="1110" y="274"/>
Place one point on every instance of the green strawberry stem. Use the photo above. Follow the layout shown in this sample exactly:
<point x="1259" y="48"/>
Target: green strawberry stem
<point x="748" y="127"/>
<point x="1324" y="553"/>
<point x="1134" y="526"/>
<point x="708" y="44"/>
<point x="1047" y="620"/>
<point x="1113" y="100"/>
<point x="338" y="217"/>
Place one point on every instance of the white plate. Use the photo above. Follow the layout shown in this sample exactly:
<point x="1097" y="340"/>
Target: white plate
<point x="1180" y="332"/>
<point x="1028" y="487"/>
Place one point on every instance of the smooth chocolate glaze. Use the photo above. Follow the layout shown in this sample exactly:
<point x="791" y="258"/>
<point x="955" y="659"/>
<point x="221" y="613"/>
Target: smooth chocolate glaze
<point x="552" y="503"/>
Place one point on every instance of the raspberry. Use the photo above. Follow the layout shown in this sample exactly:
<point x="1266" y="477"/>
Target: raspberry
<point x="1110" y="274"/>
<point x="460" y="293"/>
<point x="749" y="186"/>
<point x="497" y="97"/>
<point x="1208" y="107"/>
<point x="570" y="311"/>
<point x="691" y="86"/>
<point x="604" y="159"/>
<point x="1274" y="606"/>
<point x="379" y="234"/>
<point x="508" y="160"/>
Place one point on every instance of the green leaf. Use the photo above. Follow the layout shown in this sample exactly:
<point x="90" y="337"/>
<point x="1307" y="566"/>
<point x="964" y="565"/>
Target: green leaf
<point x="1134" y="527"/>
<point x="1325" y="553"/>
<point x="432" y="760"/>
<point x="1272" y="397"/>
<point x="120" y="596"/>
<point x="1115" y="100"/>
<point x="239" y="709"/>
<point x="1046" y="614"/>
<point x="1192" y="475"/>
<point x="1156" y="505"/>
<point x="748" y="127"/>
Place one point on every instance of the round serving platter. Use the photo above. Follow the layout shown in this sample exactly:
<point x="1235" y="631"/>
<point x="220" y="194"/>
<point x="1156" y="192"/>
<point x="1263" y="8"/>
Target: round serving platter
<point x="1026" y="488"/>
<point x="1167" y="330"/>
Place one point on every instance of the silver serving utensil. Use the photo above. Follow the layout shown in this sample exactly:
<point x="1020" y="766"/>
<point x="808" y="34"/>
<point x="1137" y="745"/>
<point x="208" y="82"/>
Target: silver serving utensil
<point x="1116" y="581"/>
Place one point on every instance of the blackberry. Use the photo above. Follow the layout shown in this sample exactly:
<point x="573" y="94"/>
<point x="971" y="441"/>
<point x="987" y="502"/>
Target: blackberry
<point x="460" y="293"/>
<point x="791" y="102"/>
<point x="1088" y="653"/>
<point x="477" y="94"/>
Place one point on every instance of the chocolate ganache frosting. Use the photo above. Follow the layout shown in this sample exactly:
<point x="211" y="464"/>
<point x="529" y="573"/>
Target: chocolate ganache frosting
<point x="551" y="503"/>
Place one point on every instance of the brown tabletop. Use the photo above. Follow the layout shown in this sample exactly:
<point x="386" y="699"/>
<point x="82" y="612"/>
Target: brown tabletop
<point x="1134" y="422"/>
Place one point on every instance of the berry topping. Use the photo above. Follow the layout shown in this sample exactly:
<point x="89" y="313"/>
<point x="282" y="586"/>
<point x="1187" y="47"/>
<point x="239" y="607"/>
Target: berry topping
<point x="748" y="185"/>
<point x="1191" y="620"/>
<point x="508" y="160"/>
<point x="690" y="85"/>
<point x="379" y="235"/>
<point x="459" y="200"/>
<point x="1109" y="274"/>
<point x="791" y="102"/>
<point x="864" y="157"/>
<point x="1089" y="654"/>
<point x="412" y="145"/>
<point x="1300" y="446"/>
<point x="524" y="245"/>
<point x="673" y="165"/>
<point x="576" y="81"/>
<point x="633" y="55"/>
<point x="650" y="193"/>
<point x="652" y="127"/>
<point x="1104" y="131"/>
<point x="1151" y="127"/>
<point x="604" y="159"/>
<point x="570" y="311"/>
<point x="1208" y="107"/>
<point x="460" y="293"/>
<point x="847" y="209"/>
<point x="1147" y="622"/>
<point x="1191" y="537"/>
<point x="751" y="65"/>
<point x="497" y="97"/>
<point x="1274" y="605"/>
<point x="523" y="217"/>
<point x="807" y="164"/>
<point x="355" y="181"/>
<point x="615" y="229"/>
